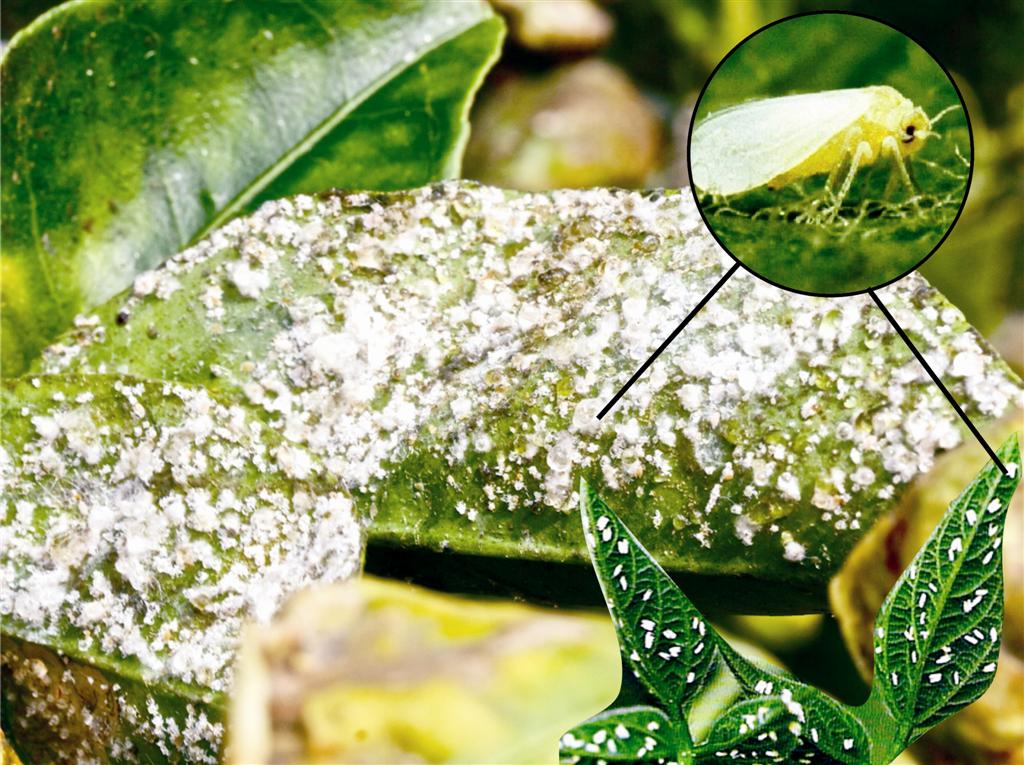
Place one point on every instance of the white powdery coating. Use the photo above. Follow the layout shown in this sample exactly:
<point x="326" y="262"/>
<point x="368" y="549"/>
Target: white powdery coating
<point x="155" y="535"/>
<point x="249" y="282"/>
<point x="794" y="551"/>
<point x="432" y="313"/>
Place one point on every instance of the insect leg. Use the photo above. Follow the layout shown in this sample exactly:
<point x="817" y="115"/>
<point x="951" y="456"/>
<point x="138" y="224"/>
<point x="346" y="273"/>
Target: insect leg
<point x="861" y="153"/>
<point x="851" y="138"/>
<point x="943" y="113"/>
<point x="823" y="209"/>
<point x="890" y="146"/>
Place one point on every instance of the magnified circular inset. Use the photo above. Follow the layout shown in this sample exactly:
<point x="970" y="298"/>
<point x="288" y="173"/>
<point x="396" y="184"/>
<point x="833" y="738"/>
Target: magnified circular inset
<point x="830" y="154"/>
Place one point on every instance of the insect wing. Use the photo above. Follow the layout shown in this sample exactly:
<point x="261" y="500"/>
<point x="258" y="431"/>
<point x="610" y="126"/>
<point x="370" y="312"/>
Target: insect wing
<point x="746" y="146"/>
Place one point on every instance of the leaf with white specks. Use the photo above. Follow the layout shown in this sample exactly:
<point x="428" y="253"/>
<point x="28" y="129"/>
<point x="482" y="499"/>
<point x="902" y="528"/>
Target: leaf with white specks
<point x="937" y="635"/>
<point x="760" y="678"/>
<point x="445" y="352"/>
<point x="803" y="726"/>
<point x="937" y="639"/>
<point x="666" y="641"/>
<point x="751" y="730"/>
<point x="144" y="523"/>
<point x="780" y="719"/>
<point x="626" y="734"/>
<point x="827" y="731"/>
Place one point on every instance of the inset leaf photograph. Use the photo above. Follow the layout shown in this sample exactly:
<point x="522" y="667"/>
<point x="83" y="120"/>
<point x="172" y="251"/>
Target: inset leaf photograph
<point x="830" y="154"/>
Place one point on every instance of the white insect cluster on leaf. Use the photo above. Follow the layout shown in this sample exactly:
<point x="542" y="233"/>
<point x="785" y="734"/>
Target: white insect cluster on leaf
<point x="481" y="330"/>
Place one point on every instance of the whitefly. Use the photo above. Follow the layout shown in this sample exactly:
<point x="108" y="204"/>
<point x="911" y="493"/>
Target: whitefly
<point x="776" y="142"/>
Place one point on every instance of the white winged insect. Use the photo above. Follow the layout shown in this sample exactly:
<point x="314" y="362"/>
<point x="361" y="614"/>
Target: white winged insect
<point x="776" y="141"/>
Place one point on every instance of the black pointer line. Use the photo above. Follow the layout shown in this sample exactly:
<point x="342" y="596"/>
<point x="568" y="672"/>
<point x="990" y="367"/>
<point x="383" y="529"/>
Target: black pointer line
<point x="668" y="340"/>
<point x="938" y="382"/>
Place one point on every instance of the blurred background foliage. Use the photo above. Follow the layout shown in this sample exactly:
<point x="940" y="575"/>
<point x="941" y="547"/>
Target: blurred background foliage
<point x="602" y="93"/>
<point x="374" y="670"/>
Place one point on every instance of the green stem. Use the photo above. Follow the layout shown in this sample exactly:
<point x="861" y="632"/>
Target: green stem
<point x="887" y="734"/>
<point x="685" y="751"/>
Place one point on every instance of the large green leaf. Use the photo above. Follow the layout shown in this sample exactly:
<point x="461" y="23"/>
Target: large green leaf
<point x="144" y="523"/>
<point x="938" y="633"/>
<point x="443" y="354"/>
<point x="131" y="129"/>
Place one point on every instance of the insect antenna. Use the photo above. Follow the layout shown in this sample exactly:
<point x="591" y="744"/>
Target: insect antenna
<point x="942" y="114"/>
<point x="931" y="133"/>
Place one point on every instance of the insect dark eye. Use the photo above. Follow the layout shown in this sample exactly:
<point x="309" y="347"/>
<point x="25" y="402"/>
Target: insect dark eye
<point x="908" y="132"/>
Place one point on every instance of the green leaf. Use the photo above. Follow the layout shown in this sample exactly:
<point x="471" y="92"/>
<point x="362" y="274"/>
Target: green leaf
<point x="793" y="726"/>
<point x="761" y="678"/>
<point x="144" y="524"/>
<point x="131" y="129"/>
<point x="836" y="733"/>
<point x="753" y="729"/>
<point x="624" y="734"/>
<point x="443" y="354"/>
<point x="787" y="721"/>
<point x="666" y="641"/>
<point x="938" y="633"/>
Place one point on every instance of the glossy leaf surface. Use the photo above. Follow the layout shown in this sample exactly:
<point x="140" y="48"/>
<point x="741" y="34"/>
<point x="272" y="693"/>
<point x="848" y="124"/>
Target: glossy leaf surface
<point x="132" y="129"/>
<point x="627" y="734"/>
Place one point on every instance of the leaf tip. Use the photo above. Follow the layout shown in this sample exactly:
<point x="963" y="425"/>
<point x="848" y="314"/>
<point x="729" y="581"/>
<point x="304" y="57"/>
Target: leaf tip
<point x="1009" y="453"/>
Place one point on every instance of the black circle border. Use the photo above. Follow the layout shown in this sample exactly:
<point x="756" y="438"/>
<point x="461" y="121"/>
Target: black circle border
<point x="949" y="229"/>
